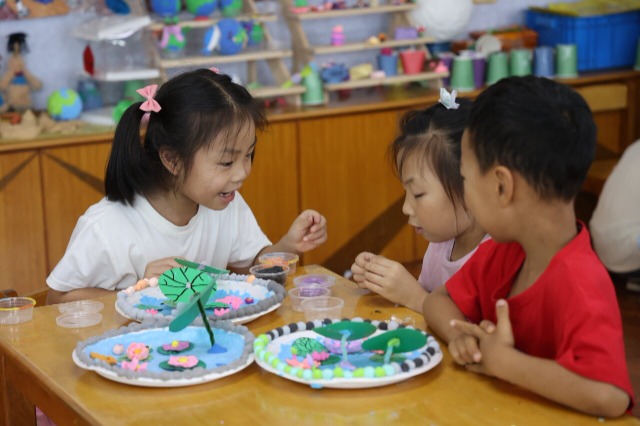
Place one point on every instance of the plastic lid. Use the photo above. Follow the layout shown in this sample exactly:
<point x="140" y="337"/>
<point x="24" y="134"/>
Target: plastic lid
<point x="81" y="306"/>
<point x="79" y="319"/>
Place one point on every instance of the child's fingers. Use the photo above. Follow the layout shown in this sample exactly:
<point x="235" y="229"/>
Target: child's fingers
<point x="467" y="328"/>
<point x="466" y="349"/>
<point x="487" y="326"/>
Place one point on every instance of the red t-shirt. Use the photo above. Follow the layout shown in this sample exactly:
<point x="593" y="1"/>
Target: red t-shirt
<point x="570" y="314"/>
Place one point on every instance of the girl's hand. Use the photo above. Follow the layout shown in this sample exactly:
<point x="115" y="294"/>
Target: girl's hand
<point x="158" y="267"/>
<point x="308" y="231"/>
<point x="358" y="268"/>
<point x="392" y="281"/>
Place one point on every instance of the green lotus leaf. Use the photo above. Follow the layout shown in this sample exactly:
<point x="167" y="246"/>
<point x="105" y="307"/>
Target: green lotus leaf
<point x="305" y="345"/>
<point x="179" y="284"/>
<point x="410" y="340"/>
<point x="353" y="330"/>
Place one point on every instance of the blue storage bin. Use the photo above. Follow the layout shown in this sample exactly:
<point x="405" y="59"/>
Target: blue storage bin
<point x="603" y="41"/>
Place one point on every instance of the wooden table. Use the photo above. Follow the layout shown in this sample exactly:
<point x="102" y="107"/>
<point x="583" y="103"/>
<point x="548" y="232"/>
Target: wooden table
<point x="37" y="368"/>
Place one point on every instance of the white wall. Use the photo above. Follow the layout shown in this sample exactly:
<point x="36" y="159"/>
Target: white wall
<point x="56" y="56"/>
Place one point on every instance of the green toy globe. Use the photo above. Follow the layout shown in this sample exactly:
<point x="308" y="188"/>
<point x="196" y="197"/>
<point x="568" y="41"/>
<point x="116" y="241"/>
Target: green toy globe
<point x="64" y="104"/>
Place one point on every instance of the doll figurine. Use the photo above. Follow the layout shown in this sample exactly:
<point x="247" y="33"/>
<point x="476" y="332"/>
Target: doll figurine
<point x="18" y="82"/>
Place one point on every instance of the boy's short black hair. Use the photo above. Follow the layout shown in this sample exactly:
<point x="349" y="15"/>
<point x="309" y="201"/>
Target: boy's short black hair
<point x="537" y="127"/>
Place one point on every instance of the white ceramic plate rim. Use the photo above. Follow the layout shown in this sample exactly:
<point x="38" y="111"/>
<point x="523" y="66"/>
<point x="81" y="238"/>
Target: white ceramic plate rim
<point x="237" y="320"/>
<point x="351" y="383"/>
<point x="157" y="383"/>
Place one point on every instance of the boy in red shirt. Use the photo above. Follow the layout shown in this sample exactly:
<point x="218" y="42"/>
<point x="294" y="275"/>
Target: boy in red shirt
<point x="541" y="309"/>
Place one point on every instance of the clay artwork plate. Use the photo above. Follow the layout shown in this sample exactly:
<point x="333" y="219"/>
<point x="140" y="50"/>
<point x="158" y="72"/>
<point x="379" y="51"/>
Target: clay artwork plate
<point x="285" y="350"/>
<point x="247" y="301"/>
<point x="233" y="352"/>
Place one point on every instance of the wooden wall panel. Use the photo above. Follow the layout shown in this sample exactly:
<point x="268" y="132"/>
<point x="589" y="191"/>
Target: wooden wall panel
<point x="271" y="189"/>
<point x="344" y="173"/>
<point x="73" y="180"/>
<point x="22" y="248"/>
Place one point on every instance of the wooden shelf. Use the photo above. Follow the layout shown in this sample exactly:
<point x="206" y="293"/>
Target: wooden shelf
<point x="356" y="47"/>
<point x="221" y="59"/>
<point x="386" y="81"/>
<point x="275" y="91"/>
<point x="356" y="11"/>
<point x="186" y="19"/>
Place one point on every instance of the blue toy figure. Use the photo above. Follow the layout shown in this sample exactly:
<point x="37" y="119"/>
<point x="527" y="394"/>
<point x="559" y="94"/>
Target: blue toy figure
<point x="232" y="36"/>
<point x="231" y="8"/>
<point x="165" y="8"/>
<point x="201" y="9"/>
<point x="211" y="40"/>
<point x="64" y="104"/>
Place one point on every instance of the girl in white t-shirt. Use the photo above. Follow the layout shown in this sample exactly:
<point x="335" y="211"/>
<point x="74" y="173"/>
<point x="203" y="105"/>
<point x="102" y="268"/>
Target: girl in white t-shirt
<point x="426" y="157"/>
<point x="176" y="164"/>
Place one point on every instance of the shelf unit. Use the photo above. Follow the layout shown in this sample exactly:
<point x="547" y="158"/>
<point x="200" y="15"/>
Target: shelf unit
<point x="304" y="52"/>
<point x="274" y="57"/>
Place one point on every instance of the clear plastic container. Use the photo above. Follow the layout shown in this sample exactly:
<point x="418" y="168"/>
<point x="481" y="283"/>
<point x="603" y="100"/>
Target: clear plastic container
<point x="266" y="272"/>
<point x="16" y="310"/>
<point x="300" y="294"/>
<point x="79" y="319"/>
<point x="281" y="258"/>
<point x="322" y="307"/>
<point x="315" y="280"/>
<point x="81" y="306"/>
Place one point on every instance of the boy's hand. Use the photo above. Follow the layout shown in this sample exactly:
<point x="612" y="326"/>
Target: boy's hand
<point x="493" y="343"/>
<point x="308" y="231"/>
<point x="358" y="267"/>
<point x="158" y="267"/>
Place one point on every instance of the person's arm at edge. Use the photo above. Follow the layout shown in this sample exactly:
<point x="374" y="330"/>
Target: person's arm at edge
<point x="552" y="381"/>
<point x="55" y="296"/>
<point x="438" y="310"/>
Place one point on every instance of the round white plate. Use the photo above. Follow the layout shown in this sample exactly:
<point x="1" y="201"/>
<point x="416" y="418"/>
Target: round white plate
<point x="237" y="320"/>
<point x="258" y="290"/>
<point x="131" y="333"/>
<point x="156" y="383"/>
<point x="344" y="383"/>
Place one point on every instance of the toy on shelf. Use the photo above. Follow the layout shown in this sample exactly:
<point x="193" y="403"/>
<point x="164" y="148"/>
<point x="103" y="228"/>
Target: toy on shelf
<point x="201" y="9"/>
<point x="64" y="104"/>
<point x="337" y="36"/>
<point x="18" y="82"/>
<point x="405" y="35"/>
<point x="172" y="41"/>
<point x="313" y="95"/>
<point x="217" y="41"/>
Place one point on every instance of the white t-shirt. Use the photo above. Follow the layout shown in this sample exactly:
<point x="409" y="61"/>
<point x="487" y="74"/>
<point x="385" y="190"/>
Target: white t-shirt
<point x="615" y="224"/>
<point x="112" y="243"/>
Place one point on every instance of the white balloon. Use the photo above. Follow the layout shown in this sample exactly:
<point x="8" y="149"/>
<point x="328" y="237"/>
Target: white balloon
<point x="442" y="19"/>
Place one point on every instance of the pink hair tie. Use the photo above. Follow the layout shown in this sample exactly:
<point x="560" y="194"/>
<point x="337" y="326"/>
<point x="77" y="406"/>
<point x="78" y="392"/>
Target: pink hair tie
<point x="214" y="69"/>
<point x="150" y="104"/>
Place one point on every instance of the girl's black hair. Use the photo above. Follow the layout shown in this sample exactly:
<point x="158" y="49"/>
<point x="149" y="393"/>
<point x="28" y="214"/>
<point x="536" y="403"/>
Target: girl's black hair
<point x="196" y="107"/>
<point x="540" y="128"/>
<point x="20" y="39"/>
<point x="435" y="134"/>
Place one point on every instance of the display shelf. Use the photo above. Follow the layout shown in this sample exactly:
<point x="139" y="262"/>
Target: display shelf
<point x="276" y="91"/>
<point x="356" y="47"/>
<point x="225" y="59"/>
<point x="128" y="74"/>
<point x="356" y="11"/>
<point x="305" y="52"/>
<point x="386" y="81"/>
<point x="186" y="19"/>
<point x="273" y="56"/>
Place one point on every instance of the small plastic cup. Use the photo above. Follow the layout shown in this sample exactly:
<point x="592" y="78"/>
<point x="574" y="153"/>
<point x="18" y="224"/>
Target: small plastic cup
<point x="315" y="280"/>
<point x="281" y="258"/>
<point x="300" y="294"/>
<point x="322" y="307"/>
<point x="84" y="306"/>
<point x="16" y="310"/>
<point x="269" y="272"/>
<point x="79" y="319"/>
